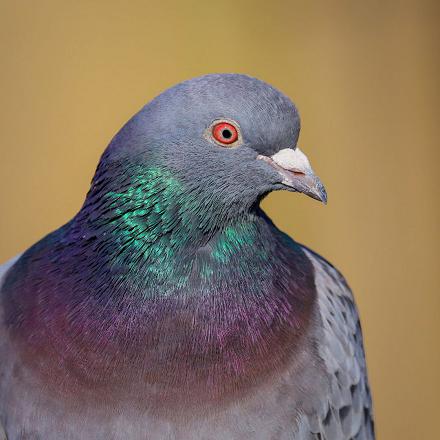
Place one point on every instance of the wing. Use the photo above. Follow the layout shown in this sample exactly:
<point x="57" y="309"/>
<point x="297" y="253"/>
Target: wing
<point x="3" y="269"/>
<point x="347" y="413"/>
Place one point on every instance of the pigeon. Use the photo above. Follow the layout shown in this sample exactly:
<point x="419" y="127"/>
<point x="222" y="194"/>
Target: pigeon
<point x="170" y="306"/>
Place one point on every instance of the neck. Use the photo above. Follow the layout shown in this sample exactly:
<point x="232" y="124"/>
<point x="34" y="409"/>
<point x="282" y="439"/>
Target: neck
<point x="143" y="277"/>
<point x="156" y="226"/>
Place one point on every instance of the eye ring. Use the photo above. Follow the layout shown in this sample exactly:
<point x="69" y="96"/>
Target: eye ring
<point x="225" y="133"/>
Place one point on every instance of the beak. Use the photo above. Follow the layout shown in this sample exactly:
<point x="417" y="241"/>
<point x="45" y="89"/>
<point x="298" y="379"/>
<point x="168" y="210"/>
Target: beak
<point x="297" y="174"/>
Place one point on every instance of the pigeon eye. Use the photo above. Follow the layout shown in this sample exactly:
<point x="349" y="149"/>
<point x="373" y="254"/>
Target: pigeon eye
<point x="225" y="133"/>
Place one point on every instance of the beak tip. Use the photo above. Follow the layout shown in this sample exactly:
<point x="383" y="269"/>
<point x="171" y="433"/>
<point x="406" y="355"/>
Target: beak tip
<point x="317" y="191"/>
<point x="323" y="196"/>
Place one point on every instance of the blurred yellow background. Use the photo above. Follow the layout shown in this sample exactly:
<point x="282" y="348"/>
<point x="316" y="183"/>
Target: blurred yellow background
<point x="365" y="76"/>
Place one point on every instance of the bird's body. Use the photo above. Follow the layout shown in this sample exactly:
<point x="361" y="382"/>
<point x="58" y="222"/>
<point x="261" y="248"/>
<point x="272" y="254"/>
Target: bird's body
<point x="170" y="306"/>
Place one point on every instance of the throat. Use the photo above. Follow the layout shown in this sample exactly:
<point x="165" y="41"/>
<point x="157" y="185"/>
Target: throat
<point x="161" y="234"/>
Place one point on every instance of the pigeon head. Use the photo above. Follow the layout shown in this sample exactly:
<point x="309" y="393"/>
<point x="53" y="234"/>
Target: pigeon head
<point x="219" y="143"/>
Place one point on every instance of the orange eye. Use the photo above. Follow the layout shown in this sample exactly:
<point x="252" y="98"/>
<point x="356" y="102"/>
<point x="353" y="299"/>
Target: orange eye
<point x="225" y="133"/>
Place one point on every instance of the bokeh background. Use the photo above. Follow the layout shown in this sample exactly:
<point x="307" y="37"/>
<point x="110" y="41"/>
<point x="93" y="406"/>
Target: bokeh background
<point x="365" y="76"/>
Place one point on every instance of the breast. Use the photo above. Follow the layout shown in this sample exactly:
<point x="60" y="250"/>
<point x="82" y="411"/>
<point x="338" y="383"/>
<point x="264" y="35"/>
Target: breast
<point x="217" y="365"/>
<point x="209" y="344"/>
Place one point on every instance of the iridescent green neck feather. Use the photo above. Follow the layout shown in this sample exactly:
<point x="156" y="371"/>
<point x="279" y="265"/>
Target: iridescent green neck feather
<point x="151" y="226"/>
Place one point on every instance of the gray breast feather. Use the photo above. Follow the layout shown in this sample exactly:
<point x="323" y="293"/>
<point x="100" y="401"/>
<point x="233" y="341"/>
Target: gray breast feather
<point x="347" y="412"/>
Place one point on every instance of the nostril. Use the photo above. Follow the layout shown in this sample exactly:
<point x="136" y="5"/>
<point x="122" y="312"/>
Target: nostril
<point x="298" y="173"/>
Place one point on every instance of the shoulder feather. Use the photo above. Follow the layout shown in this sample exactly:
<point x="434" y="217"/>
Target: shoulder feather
<point x="347" y="413"/>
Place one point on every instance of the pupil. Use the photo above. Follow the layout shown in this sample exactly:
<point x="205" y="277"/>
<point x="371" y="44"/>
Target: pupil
<point x="226" y="134"/>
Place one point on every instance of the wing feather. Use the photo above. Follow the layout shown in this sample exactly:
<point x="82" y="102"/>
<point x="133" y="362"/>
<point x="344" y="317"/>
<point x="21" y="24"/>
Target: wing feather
<point x="347" y="413"/>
